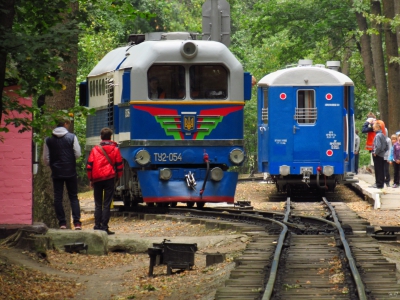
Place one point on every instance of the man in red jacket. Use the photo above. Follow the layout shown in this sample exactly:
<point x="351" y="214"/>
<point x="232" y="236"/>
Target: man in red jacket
<point x="103" y="166"/>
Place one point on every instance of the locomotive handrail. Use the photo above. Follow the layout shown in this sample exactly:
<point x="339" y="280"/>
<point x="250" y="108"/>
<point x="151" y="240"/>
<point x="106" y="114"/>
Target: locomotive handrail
<point x="347" y="135"/>
<point x="199" y="143"/>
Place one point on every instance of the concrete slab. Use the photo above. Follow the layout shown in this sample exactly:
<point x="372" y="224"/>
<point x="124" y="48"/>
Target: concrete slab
<point x="387" y="198"/>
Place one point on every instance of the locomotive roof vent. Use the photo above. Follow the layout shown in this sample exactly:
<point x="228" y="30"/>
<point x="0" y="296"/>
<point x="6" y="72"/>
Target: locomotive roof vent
<point x="153" y="36"/>
<point x="188" y="49"/>
<point x="176" y="36"/>
<point x="305" y="62"/>
<point x="333" y="65"/>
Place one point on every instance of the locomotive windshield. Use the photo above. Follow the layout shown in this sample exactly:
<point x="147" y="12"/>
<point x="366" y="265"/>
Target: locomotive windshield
<point x="206" y="82"/>
<point x="166" y="82"/>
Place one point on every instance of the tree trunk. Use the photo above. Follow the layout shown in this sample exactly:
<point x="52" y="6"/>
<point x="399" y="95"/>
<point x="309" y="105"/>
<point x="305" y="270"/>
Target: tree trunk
<point x="366" y="53"/>
<point x="346" y="65"/>
<point x="397" y="12"/>
<point x="379" y="62"/>
<point x="43" y="203"/>
<point x="392" y="107"/>
<point x="7" y="13"/>
<point x="61" y="100"/>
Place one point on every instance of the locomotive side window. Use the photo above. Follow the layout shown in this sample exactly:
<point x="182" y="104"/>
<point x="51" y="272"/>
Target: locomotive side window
<point x="208" y="82"/>
<point x="306" y="110"/>
<point x="166" y="82"/>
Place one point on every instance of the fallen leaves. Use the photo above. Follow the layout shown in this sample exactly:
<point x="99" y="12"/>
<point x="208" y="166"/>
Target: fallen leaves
<point x="18" y="282"/>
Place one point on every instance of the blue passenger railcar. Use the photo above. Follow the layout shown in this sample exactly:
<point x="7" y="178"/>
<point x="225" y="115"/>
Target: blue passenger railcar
<point x="176" y="107"/>
<point x="306" y="127"/>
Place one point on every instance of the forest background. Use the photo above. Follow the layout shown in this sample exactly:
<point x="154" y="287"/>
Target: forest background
<point x="48" y="47"/>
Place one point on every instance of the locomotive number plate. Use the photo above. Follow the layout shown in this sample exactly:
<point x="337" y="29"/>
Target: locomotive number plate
<point x="168" y="156"/>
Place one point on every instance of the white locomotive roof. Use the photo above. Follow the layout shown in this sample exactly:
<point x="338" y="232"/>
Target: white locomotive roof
<point x="303" y="76"/>
<point x="145" y="54"/>
<point x="109" y="62"/>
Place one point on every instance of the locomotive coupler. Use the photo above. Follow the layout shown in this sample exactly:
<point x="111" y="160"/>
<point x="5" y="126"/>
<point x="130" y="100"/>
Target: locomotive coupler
<point x="306" y="174"/>
<point x="190" y="181"/>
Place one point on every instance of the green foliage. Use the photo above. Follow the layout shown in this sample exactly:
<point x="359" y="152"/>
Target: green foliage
<point x="306" y="24"/>
<point x="37" y="25"/>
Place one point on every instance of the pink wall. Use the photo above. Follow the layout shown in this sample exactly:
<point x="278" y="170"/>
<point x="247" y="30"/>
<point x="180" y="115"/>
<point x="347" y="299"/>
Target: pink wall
<point x="16" y="192"/>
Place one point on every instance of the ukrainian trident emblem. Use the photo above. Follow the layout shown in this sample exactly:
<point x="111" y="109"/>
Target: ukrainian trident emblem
<point x="189" y="123"/>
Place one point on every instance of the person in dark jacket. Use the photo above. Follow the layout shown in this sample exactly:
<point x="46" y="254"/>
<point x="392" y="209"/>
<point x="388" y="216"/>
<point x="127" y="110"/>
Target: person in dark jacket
<point x="103" y="166"/>
<point x="378" y="153"/>
<point x="60" y="153"/>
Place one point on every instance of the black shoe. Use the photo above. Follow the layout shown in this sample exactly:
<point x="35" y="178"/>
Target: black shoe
<point x="109" y="232"/>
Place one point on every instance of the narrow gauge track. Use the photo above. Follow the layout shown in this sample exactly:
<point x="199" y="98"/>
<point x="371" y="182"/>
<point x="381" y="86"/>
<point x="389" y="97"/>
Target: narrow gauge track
<point x="303" y="253"/>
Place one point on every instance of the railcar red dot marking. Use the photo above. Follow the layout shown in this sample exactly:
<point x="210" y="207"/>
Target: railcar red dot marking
<point x="328" y="96"/>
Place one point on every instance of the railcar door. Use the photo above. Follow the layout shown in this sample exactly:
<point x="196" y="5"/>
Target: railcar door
<point x="306" y="142"/>
<point x="263" y="129"/>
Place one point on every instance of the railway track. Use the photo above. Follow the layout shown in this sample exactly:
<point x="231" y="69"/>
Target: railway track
<point x="315" y="250"/>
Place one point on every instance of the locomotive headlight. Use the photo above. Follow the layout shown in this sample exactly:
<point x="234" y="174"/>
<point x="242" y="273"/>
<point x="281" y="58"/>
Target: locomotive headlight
<point x="328" y="170"/>
<point x="284" y="170"/>
<point x="188" y="49"/>
<point x="142" y="157"/>
<point x="236" y="156"/>
<point x="165" y="174"/>
<point x="217" y="174"/>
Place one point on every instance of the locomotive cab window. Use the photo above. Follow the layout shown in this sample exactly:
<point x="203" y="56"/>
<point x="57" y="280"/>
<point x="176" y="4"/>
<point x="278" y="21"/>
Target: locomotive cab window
<point x="306" y="110"/>
<point x="166" y="82"/>
<point x="208" y="82"/>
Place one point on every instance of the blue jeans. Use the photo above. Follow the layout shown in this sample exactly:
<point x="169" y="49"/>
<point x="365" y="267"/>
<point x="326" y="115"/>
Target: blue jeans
<point x="72" y="189"/>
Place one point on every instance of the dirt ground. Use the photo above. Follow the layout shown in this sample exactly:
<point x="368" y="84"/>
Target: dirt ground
<point x="120" y="276"/>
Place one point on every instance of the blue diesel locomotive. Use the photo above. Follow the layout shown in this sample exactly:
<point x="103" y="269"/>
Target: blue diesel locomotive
<point x="175" y="104"/>
<point x="306" y="127"/>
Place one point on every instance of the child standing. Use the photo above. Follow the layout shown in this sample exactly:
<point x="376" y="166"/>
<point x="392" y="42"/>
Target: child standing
<point x="387" y="162"/>
<point x="396" y="162"/>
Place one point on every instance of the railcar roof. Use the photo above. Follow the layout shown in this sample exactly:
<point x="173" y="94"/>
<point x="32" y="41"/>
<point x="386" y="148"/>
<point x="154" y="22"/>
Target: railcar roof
<point x="144" y="55"/>
<point x="303" y="76"/>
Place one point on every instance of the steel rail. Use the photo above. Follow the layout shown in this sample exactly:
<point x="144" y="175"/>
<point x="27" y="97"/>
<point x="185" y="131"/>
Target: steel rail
<point x="352" y="263"/>
<point x="278" y="251"/>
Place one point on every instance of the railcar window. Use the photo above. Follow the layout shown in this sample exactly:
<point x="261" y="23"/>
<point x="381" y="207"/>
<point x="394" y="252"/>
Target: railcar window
<point x="306" y="110"/>
<point x="208" y="82"/>
<point x="265" y="106"/>
<point x="91" y="88"/>
<point x="166" y="82"/>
